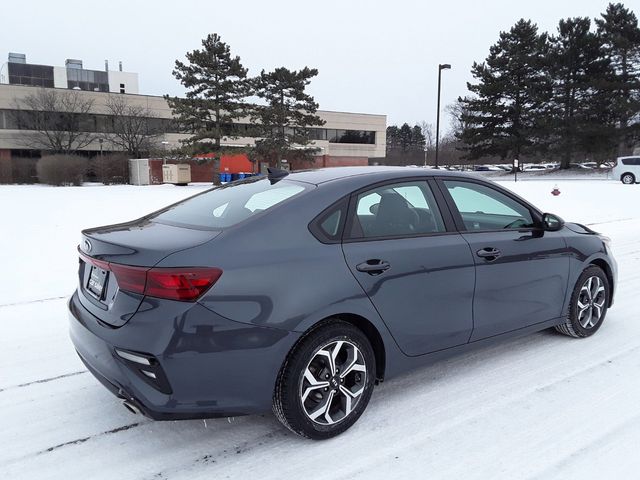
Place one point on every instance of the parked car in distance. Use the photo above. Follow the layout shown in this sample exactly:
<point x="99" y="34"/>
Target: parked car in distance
<point x="298" y="292"/>
<point x="627" y="169"/>
<point x="535" y="168"/>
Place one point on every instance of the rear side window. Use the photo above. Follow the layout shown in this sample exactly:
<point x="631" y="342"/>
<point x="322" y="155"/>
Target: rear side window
<point x="228" y="205"/>
<point x="327" y="227"/>
<point x="401" y="209"/>
<point x="631" y="161"/>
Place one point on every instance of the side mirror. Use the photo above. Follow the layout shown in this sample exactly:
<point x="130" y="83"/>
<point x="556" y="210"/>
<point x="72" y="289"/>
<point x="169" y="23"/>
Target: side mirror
<point x="551" y="222"/>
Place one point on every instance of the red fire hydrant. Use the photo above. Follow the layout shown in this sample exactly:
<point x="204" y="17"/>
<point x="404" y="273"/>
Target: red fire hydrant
<point x="556" y="191"/>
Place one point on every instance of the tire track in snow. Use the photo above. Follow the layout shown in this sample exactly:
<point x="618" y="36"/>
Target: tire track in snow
<point x="27" y="302"/>
<point x="44" y="380"/>
<point x="85" y="439"/>
<point x="610" y="221"/>
<point x="230" y="452"/>
<point x="590" y="448"/>
<point x="195" y="467"/>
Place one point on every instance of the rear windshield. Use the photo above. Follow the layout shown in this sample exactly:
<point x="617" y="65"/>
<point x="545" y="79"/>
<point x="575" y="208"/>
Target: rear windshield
<point x="230" y="204"/>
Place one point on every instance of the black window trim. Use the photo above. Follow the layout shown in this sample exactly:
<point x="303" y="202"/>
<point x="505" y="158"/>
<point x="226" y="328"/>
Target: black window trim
<point x="536" y="215"/>
<point x="315" y="224"/>
<point x="449" y="225"/>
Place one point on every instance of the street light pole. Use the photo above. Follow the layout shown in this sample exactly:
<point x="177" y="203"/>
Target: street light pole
<point x="100" y="140"/>
<point x="164" y="147"/>
<point x="442" y="66"/>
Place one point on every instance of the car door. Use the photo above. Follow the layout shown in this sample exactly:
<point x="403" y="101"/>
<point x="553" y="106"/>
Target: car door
<point x="521" y="270"/>
<point x="418" y="273"/>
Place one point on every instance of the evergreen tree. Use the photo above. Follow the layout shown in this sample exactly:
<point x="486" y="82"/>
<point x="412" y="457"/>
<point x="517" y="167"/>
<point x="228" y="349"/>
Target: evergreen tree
<point x="618" y="29"/>
<point x="217" y="86"/>
<point x="283" y="122"/>
<point x="405" y="138"/>
<point x="418" y="140"/>
<point x="503" y="117"/>
<point x="393" y="136"/>
<point x="577" y="120"/>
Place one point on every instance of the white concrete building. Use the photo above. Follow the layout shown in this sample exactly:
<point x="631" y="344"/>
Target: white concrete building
<point x="345" y="138"/>
<point x="16" y="71"/>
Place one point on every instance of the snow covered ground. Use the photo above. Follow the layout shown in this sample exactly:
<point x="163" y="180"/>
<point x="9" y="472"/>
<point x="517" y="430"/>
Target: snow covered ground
<point x="544" y="406"/>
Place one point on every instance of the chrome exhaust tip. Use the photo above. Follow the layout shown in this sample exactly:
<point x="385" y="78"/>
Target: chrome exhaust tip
<point x="131" y="407"/>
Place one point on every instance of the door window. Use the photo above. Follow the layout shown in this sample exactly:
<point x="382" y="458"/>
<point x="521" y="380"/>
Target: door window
<point x="484" y="208"/>
<point x="400" y="209"/>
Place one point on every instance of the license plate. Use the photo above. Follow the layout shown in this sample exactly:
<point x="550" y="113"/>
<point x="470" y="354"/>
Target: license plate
<point x="97" y="281"/>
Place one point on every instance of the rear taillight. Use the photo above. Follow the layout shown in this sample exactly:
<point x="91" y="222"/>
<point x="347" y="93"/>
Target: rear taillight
<point x="184" y="284"/>
<point x="180" y="283"/>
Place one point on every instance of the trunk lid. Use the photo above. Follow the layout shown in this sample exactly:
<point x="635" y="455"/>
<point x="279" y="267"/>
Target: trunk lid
<point x="142" y="243"/>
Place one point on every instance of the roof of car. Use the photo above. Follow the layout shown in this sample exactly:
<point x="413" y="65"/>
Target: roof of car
<point x="323" y="175"/>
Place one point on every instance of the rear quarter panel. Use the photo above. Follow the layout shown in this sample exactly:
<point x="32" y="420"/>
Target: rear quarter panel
<point x="277" y="274"/>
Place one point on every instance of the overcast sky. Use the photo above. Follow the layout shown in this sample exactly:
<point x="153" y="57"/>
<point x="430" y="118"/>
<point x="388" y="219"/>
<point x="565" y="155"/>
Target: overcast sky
<point x="373" y="56"/>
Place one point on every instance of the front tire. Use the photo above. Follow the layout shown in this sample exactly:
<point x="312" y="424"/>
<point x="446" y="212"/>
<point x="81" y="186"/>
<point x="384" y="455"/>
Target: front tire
<point x="589" y="303"/>
<point x="628" y="178"/>
<point x="326" y="381"/>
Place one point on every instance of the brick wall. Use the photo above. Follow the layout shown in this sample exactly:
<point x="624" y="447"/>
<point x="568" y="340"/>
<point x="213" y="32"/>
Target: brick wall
<point x="203" y="171"/>
<point x="324" y="161"/>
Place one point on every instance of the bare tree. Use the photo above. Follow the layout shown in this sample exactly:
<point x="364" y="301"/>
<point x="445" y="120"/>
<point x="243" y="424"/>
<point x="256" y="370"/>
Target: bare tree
<point x="134" y="129"/>
<point x="457" y="112"/>
<point x="55" y="121"/>
<point x="429" y="134"/>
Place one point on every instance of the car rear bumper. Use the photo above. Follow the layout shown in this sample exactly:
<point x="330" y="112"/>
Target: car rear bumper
<point x="212" y="366"/>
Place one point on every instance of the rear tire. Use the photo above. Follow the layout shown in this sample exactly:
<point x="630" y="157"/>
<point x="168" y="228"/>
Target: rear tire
<point x="326" y="381"/>
<point x="628" y="178"/>
<point x="589" y="303"/>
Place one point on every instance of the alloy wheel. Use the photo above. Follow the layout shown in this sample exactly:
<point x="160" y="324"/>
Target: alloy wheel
<point x="591" y="302"/>
<point x="628" y="179"/>
<point x="333" y="382"/>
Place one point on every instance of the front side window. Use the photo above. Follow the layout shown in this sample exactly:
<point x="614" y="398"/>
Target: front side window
<point x="484" y="208"/>
<point x="226" y="206"/>
<point x="401" y="209"/>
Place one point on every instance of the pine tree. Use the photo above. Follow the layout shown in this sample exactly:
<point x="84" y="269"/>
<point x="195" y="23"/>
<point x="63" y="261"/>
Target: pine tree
<point x="577" y="120"/>
<point x="618" y="29"/>
<point x="502" y="118"/>
<point x="283" y="121"/>
<point x="418" y="140"/>
<point x="393" y="138"/>
<point x="216" y="86"/>
<point x="405" y="138"/>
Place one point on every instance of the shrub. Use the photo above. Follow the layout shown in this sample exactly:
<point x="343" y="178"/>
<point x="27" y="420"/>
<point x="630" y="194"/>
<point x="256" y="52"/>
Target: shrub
<point x="5" y="170"/>
<point x="111" y="169"/>
<point x="24" y="170"/>
<point x="18" y="170"/>
<point x="62" y="169"/>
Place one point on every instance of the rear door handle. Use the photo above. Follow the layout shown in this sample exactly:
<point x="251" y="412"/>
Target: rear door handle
<point x="489" y="253"/>
<point x="373" y="266"/>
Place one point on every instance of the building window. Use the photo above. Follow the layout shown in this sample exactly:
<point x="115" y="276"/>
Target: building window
<point x="122" y="90"/>
<point x="89" y="80"/>
<point x="33" y="75"/>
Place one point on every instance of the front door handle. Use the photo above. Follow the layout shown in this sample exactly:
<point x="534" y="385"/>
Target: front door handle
<point x="489" y="253"/>
<point x="373" y="266"/>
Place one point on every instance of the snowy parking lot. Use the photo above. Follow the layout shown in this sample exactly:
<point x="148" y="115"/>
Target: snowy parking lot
<point x="543" y="406"/>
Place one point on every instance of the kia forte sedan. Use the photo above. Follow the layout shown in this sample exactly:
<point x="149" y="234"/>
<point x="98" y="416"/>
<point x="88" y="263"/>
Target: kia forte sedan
<point x="299" y="292"/>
